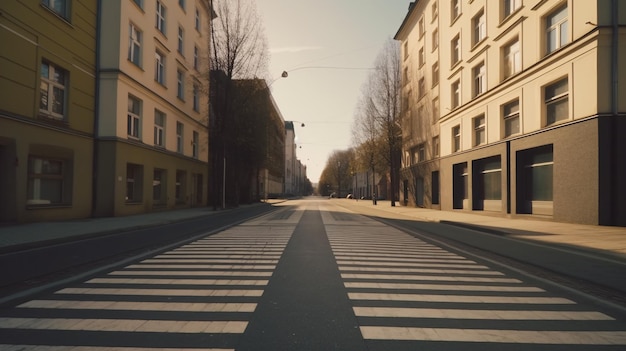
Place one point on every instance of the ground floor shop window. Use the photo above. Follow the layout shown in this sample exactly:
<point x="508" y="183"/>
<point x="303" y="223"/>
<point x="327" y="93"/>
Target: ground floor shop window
<point x="180" y="186"/>
<point x="535" y="178"/>
<point x="134" y="182"/>
<point x="487" y="179"/>
<point x="47" y="181"/>
<point x="459" y="186"/>
<point x="434" y="184"/>
<point x="158" y="186"/>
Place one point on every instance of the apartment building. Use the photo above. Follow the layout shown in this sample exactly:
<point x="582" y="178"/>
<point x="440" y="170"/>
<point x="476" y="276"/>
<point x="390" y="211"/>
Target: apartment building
<point x="47" y="79"/>
<point x="152" y="124"/>
<point x="530" y="106"/>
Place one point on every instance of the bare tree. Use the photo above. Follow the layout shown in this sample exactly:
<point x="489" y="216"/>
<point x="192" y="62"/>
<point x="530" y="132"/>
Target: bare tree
<point x="379" y="113"/>
<point x="239" y="51"/>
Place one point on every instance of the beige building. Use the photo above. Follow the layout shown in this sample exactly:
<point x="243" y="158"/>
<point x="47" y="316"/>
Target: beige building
<point x="152" y="113"/>
<point x="517" y="107"/>
<point x="47" y="79"/>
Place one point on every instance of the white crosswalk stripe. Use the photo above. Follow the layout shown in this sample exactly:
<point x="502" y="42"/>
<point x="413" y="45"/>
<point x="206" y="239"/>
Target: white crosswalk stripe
<point x="208" y="287"/>
<point x="406" y="290"/>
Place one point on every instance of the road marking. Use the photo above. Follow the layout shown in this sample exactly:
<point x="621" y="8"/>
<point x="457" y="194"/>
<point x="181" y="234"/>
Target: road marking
<point x="395" y="312"/>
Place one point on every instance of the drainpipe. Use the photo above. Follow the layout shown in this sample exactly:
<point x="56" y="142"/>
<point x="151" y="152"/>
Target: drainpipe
<point x="96" y="153"/>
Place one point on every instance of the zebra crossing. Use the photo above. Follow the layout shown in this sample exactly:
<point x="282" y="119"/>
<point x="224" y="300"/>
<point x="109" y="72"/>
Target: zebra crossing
<point x="198" y="296"/>
<point x="408" y="294"/>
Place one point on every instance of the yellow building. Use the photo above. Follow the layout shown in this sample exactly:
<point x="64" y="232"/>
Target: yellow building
<point x="152" y="122"/>
<point x="47" y="79"/>
<point x="516" y="107"/>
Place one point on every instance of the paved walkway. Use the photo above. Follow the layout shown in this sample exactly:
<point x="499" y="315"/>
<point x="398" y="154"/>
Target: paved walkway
<point x="610" y="240"/>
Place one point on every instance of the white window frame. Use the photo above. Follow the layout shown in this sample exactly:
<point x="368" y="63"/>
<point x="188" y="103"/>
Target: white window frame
<point x="455" y="9"/>
<point x="180" y="84"/>
<point x="456" y="94"/>
<point x="133" y="120"/>
<point x="455" y="47"/>
<point x="511" y="115"/>
<point x="134" y="44"/>
<point x="195" y="143"/>
<point x="510" y="6"/>
<point x="60" y="7"/>
<point x="557" y="99"/>
<point x="456" y="138"/>
<point x="480" y="130"/>
<point x="52" y="96"/>
<point x="161" y="12"/>
<point x="479" y="73"/>
<point x="181" y="40"/>
<point x="512" y="57"/>
<point x="196" y="97"/>
<point x="560" y="29"/>
<point x="180" y="137"/>
<point x="159" y="67"/>
<point x="479" y="24"/>
<point x="159" y="128"/>
<point x="198" y="20"/>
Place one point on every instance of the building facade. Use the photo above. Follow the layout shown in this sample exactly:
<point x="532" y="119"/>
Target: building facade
<point x="529" y="111"/>
<point x="152" y="114"/>
<point x="47" y="109"/>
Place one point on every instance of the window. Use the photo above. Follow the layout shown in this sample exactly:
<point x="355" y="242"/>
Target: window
<point x="456" y="94"/>
<point x="405" y="49"/>
<point x="179" y="191"/>
<point x="181" y="40"/>
<point x="139" y="3"/>
<point x="159" y="68"/>
<point x="556" y="29"/>
<point x="435" y="73"/>
<point x="159" y="128"/>
<point x="421" y="27"/>
<point x="181" y="3"/>
<point x="455" y="9"/>
<point x="434" y="190"/>
<point x="556" y="100"/>
<point x="435" y="109"/>
<point x="535" y="174"/>
<point x="158" y="186"/>
<point x="160" y="16"/>
<point x="459" y="186"/>
<point x="195" y="144"/>
<point x="179" y="137"/>
<point x="196" y="57"/>
<point x="455" y="47"/>
<point x="57" y="6"/>
<point x="180" y="84"/>
<point x="480" y="27"/>
<point x="510" y="115"/>
<point x="134" y="45"/>
<point x="134" y="182"/>
<point x="405" y="75"/>
<point x="456" y="138"/>
<point x="434" y="10"/>
<point x="421" y="87"/>
<point x="46" y="181"/>
<point x="512" y="59"/>
<point x="435" y="142"/>
<point x="487" y="187"/>
<point x="418" y="154"/>
<point x="52" y="91"/>
<point x="511" y="6"/>
<point x="196" y="98"/>
<point x="480" y="79"/>
<point x="479" y="130"/>
<point x="197" y="19"/>
<point x="421" y="57"/>
<point x="435" y="39"/>
<point x="134" y="117"/>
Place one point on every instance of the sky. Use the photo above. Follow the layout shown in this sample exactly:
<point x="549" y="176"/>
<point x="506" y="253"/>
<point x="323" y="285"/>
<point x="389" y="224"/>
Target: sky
<point x="328" y="48"/>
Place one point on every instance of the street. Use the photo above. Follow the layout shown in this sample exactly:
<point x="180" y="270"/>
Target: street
<point x="312" y="275"/>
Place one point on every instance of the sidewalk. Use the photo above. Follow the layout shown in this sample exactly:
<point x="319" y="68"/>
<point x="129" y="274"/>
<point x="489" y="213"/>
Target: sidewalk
<point x="603" y="239"/>
<point x="607" y="240"/>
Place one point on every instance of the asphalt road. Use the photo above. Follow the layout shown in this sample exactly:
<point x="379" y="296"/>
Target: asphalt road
<point x="312" y="276"/>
